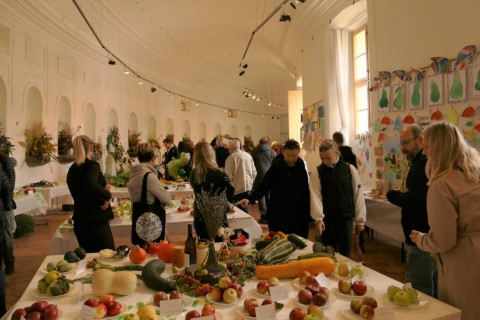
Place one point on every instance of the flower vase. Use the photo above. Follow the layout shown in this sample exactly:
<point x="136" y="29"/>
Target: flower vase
<point x="212" y="259"/>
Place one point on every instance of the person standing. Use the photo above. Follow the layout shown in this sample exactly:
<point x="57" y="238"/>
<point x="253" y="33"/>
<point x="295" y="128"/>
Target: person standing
<point x="156" y="195"/>
<point x="241" y="170"/>
<point x="453" y="171"/>
<point x="3" y="295"/>
<point x="7" y="247"/>
<point x="207" y="177"/>
<point x="262" y="156"/>
<point x="337" y="199"/>
<point x="285" y="187"/>
<point x="221" y="151"/>
<point x="420" y="269"/>
<point x="91" y="195"/>
<point x="170" y="153"/>
<point x="345" y="151"/>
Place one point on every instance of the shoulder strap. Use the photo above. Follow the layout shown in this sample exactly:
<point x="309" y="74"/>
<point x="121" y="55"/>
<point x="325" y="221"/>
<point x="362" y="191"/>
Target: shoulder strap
<point x="143" y="199"/>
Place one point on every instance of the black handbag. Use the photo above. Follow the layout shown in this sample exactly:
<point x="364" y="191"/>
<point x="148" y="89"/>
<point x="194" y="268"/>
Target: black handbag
<point x="148" y="220"/>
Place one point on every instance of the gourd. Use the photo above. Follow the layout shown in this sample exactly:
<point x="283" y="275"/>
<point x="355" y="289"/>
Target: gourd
<point x="105" y="281"/>
<point x="296" y="241"/>
<point x="151" y="276"/>
<point x="276" y="252"/>
<point x="292" y="269"/>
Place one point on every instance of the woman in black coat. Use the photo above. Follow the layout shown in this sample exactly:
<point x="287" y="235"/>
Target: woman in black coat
<point x="285" y="187"/>
<point x="91" y="195"/>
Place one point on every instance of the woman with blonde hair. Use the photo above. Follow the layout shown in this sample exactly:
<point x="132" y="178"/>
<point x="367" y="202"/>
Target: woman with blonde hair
<point x="207" y="176"/>
<point x="91" y="195"/>
<point x="453" y="169"/>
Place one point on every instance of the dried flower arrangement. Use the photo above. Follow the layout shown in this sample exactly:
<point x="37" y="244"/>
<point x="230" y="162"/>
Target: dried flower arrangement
<point x="115" y="148"/>
<point x="38" y="145"/>
<point x="152" y="140"/>
<point x="65" y="145"/>
<point x="133" y="142"/>
<point x="97" y="151"/>
<point x="248" y="144"/>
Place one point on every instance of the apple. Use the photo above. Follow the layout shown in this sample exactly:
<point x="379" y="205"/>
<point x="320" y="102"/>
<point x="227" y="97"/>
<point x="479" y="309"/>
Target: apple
<point x="312" y="289"/>
<point x="358" y="270"/>
<point x="18" y="313"/>
<point x="302" y="277"/>
<point x="367" y="312"/>
<point x="175" y="294"/>
<point x="359" y="288"/>
<point x="237" y="287"/>
<point x="314" y="309"/>
<point x="344" y="286"/>
<point x="413" y="295"/>
<point x="225" y="282"/>
<point x="223" y="265"/>
<point x="159" y="296"/>
<point x="325" y="291"/>
<point x="247" y="302"/>
<point x="51" y="312"/>
<point x="402" y="298"/>
<point x="391" y="290"/>
<point x="312" y="317"/>
<point x="267" y="301"/>
<point x="208" y="309"/>
<point x="370" y="301"/>
<point x="133" y="316"/>
<point x="34" y="315"/>
<point x="273" y="281"/>
<point x="342" y="269"/>
<point x="229" y="295"/>
<point x="39" y="306"/>
<point x="106" y="299"/>
<point x="100" y="311"/>
<point x="216" y="294"/>
<point x="192" y="314"/>
<point x="297" y="314"/>
<point x="251" y="308"/>
<point x="310" y="280"/>
<point x="319" y="299"/>
<point x="262" y="287"/>
<point x="91" y="303"/>
<point x="113" y="308"/>
<point x="304" y="296"/>
<point x="355" y="305"/>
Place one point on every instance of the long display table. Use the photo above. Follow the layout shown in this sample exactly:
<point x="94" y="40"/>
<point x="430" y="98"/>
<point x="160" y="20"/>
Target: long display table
<point x="384" y="217"/>
<point x="71" y="303"/>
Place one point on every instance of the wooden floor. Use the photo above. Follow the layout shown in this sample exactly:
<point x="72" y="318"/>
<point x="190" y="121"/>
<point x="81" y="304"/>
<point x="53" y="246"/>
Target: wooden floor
<point x="30" y="251"/>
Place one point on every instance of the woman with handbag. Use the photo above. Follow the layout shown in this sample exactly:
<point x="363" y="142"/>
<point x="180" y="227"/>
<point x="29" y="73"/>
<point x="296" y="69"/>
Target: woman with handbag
<point x="148" y="199"/>
<point x="91" y="195"/>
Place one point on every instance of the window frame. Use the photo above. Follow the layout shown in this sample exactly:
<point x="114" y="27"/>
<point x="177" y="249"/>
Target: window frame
<point x="360" y="82"/>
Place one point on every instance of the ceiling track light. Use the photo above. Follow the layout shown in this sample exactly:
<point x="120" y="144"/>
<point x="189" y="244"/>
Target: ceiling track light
<point x="126" y="71"/>
<point x="154" y="89"/>
<point x="293" y="5"/>
<point x="140" y="81"/>
<point x="241" y="73"/>
<point x="245" y="66"/>
<point x="285" y="17"/>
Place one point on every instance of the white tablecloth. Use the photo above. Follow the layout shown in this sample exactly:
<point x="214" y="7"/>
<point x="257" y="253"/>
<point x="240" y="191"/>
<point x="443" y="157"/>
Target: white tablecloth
<point x="64" y="238"/>
<point x="53" y="193"/>
<point x="31" y="202"/>
<point x="122" y="193"/>
<point x="384" y="217"/>
<point x="70" y="304"/>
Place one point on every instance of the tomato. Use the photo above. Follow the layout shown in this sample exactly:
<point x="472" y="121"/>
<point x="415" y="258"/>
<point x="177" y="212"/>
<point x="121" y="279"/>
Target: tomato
<point x="137" y="255"/>
<point x="151" y="247"/>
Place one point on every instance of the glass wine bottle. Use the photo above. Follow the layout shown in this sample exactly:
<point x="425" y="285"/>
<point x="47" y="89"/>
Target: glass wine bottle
<point x="190" y="247"/>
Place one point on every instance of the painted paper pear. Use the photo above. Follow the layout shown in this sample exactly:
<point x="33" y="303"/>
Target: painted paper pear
<point x="456" y="91"/>
<point x="415" y="99"/>
<point x="477" y="84"/>
<point x="434" y="92"/>
<point x="383" y="103"/>
<point x="398" y="102"/>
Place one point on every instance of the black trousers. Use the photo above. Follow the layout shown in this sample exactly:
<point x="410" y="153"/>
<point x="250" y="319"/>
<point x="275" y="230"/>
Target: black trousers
<point x="338" y="233"/>
<point x="94" y="236"/>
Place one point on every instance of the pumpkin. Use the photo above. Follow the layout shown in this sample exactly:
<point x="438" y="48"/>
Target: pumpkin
<point x="165" y="251"/>
<point x="137" y="255"/>
<point x="292" y="269"/>
<point x="105" y="281"/>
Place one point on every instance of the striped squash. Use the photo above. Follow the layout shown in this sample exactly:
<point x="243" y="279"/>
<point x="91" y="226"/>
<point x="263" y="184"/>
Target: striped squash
<point x="276" y="252"/>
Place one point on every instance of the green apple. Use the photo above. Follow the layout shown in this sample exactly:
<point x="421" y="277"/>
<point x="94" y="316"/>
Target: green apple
<point x="311" y="316"/>
<point x="51" y="276"/>
<point x="413" y="295"/>
<point x="391" y="291"/>
<point x="402" y="299"/>
<point x="274" y="281"/>
<point x="358" y="270"/>
<point x="51" y="266"/>
<point x="316" y="310"/>
<point x="343" y="269"/>
<point x="175" y="269"/>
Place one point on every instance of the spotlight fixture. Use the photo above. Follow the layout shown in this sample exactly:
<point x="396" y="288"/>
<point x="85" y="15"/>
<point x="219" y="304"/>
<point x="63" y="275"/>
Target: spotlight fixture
<point x="254" y="96"/>
<point x="153" y="89"/>
<point x="302" y="1"/>
<point x="269" y="103"/>
<point x="140" y="80"/>
<point x="241" y="73"/>
<point x="285" y="17"/>
<point x="245" y="66"/>
<point x="126" y="71"/>
<point x="293" y="5"/>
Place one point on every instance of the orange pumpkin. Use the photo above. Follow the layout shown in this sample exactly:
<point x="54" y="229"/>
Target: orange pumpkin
<point x="165" y="251"/>
<point x="137" y="255"/>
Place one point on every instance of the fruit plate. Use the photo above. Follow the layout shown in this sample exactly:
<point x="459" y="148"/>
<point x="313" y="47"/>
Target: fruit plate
<point x="421" y="303"/>
<point x="122" y="311"/>
<point x="336" y="275"/>
<point x="348" y="314"/>
<point x="71" y="271"/>
<point x="253" y="292"/>
<point x="242" y="313"/>
<point x="329" y="303"/>
<point x="296" y="284"/>
<point x="37" y="294"/>
<point x="218" y="315"/>
<point x="221" y="303"/>
<point x="351" y="295"/>
<point x="187" y="301"/>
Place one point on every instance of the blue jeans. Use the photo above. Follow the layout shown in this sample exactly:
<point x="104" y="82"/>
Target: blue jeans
<point x="421" y="271"/>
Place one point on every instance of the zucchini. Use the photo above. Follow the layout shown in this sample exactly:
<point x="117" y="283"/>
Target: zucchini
<point x="296" y="241"/>
<point x="316" y="255"/>
<point x="151" y="276"/>
<point x="276" y="252"/>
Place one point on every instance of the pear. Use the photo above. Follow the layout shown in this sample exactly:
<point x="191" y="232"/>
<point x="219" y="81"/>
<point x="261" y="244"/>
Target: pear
<point x="51" y="266"/>
<point x="52" y="276"/>
<point x="42" y="286"/>
<point x="391" y="291"/>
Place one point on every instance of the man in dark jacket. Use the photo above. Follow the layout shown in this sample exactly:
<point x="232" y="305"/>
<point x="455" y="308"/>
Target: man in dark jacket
<point x="170" y="153"/>
<point x="7" y="245"/>
<point x="345" y="151"/>
<point x="262" y="156"/>
<point x="420" y="269"/>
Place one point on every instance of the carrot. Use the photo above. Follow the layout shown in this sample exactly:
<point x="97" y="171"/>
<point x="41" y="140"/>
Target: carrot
<point x="293" y="268"/>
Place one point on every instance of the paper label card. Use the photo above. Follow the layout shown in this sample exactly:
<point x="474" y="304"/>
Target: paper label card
<point x="322" y="280"/>
<point x="355" y="278"/>
<point x="279" y="292"/>
<point x="384" y="313"/>
<point x="82" y="265"/>
<point x="170" y="307"/>
<point x="265" y="312"/>
<point x="407" y="285"/>
<point x="87" y="313"/>
<point x="30" y="192"/>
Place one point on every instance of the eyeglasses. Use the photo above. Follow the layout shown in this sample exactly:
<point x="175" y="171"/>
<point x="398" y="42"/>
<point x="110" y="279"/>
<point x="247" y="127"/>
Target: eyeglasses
<point x="404" y="143"/>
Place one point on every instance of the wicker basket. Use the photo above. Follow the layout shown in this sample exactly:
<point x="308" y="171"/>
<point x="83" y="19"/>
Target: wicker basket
<point x="37" y="161"/>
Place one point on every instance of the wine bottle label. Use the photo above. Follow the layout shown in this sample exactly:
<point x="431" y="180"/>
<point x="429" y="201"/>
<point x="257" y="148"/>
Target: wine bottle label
<point x="187" y="260"/>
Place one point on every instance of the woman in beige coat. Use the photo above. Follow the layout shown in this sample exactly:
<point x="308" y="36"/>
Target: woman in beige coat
<point x="453" y="169"/>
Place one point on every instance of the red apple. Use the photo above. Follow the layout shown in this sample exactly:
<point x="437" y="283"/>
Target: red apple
<point x="319" y="299"/>
<point x="39" y="306"/>
<point x="316" y="310"/>
<point x="192" y="314"/>
<point x="302" y="277"/>
<point x="367" y="312"/>
<point x="267" y="301"/>
<point x="216" y="294"/>
<point x="237" y="287"/>
<point x="310" y="280"/>
<point x="247" y="302"/>
<point x="20" y="312"/>
<point x="100" y="311"/>
<point x="175" y="294"/>
<point x="106" y="299"/>
<point x="312" y="289"/>
<point x="91" y="303"/>
<point x="251" y="308"/>
<point x="225" y="282"/>
<point x="34" y="315"/>
<point x="325" y="291"/>
<point x="159" y="296"/>
<point x="262" y="287"/>
<point x="208" y="309"/>
<point x="370" y="301"/>
<point x="344" y="286"/>
<point x="304" y="296"/>
<point x="355" y="305"/>
<point x="359" y="288"/>
<point x="297" y="314"/>
<point x="51" y="312"/>
<point x="113" y="308"/>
